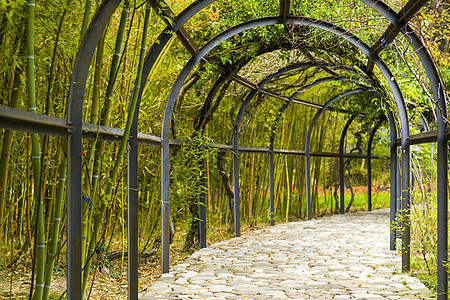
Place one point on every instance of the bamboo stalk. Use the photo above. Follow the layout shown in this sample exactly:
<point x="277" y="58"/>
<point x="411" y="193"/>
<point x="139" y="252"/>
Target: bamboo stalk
<point x="121" y="151"/>
<point x="115" y="64"/>
<point x="8" y="134"/>
<point x="53" y="243"/>
<point x="91" y="145"/>
<point x="95" y="148"/>
<point x="86" y="17"/>
<point x="35" y="156"/>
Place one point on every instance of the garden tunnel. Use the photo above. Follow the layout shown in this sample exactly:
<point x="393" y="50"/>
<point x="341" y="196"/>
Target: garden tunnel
<point x="369" y="77"/>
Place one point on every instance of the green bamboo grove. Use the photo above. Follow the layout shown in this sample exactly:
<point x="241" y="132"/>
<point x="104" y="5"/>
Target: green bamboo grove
<point x="40" y="41"/>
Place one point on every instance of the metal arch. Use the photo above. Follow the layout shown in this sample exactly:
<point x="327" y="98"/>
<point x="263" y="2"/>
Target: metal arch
<point x="393" y="139"/>
<point x="181" y="19"/>
<point x="271" y="154"/>
<point x="272" y="139"/>
<point x="341" y="163"/>
<point x="325" y="66"/>
<point x="297" y="93"/>
<point x="235" y="143"/>
<point x="442" y="152"/>
<point x="308" y="142"/>
<point x="165" y="134"/>
<point x="271" y="158"/>
<point x="369" y="163"/>
<point x="201" y="4"/>
<point x="74" y="119"/>
<point x="236" y="66"/>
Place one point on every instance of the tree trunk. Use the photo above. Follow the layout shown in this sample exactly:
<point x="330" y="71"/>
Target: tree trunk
<point x="227" y="184"/>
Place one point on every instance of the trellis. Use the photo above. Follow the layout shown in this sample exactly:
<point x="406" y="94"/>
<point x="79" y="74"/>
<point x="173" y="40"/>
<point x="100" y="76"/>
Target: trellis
<point x="76" y="130"/>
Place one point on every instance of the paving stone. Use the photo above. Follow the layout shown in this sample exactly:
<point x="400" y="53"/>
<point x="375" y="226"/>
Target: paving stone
<point x="339" y="257"/>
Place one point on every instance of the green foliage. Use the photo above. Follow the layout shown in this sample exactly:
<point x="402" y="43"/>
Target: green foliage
<point x="253" y="54"/>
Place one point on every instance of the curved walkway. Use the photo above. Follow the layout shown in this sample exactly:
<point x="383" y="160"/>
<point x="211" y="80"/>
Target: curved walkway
<point x="338" y="257"/>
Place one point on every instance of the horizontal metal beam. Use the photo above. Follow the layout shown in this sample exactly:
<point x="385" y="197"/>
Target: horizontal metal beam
<point x="229" y="148"/>
<point x="404" y="15"/>
<point x="104" y="133"/>
<point x="422" y="138"/>
<point x="22" y="120"/>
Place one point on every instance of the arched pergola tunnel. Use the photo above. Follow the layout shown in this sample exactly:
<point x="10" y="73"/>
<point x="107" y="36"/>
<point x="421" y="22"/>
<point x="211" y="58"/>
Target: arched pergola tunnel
<point x="397" y="117"/>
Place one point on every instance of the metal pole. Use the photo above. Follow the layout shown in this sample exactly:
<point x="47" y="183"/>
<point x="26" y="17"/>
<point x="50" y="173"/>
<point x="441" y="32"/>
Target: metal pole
<point x="341" y="163"/>
<point x="308" y="142"/>
<point x="398" y="194"/>
<point x="74" y="187"/>
<point x="271" y="188"/>
<point x="369" y="176"/>
<point x="406" y="237"/>
<point x="237" y="212"/>
<point x="308" y="176"/>
<point x="133" y="216"/>
<point x="74" y="119"/>
<point x="442" y="211"/>
<point x="393" y="195"/>
<point x="165" y="209"/>
<point x="369" y="165"/>
<point x="202" y="204"/>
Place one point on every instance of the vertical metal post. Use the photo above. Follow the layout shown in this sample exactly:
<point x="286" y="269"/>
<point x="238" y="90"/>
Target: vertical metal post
<point x="133" y="217"/>
<point x="369" y="165"/>
<point x="393" y="180"/>
<point x="393" y="195"/>
<point x="165" y="239"/>
<point x="398" y="194"/>
<point x="369" y="177"/>
<point x="202" y="204"/>
<point x="271" y="188"/>
<point x="237" y="212"/>
<point x="341" y="182"/>
<point x="341" y="163"/>
<point x="74" y="187"/>
<point x="74" y="119"/>
<point x="442" y="205"/>
<point x="308" y="177"/>
<point x="308" y="142"/>
<point x="406" y="229"/>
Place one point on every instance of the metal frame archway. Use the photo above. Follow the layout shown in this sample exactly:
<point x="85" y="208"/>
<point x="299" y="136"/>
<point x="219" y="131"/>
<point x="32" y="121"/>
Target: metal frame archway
<point x="17" y="120"/>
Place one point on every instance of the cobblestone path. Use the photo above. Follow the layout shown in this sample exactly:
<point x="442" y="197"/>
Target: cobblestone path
<point x="338" y="257"/>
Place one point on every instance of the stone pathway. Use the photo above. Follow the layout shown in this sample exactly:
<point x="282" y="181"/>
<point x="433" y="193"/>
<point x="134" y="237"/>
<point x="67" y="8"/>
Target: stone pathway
<point x="338" y="257"/>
